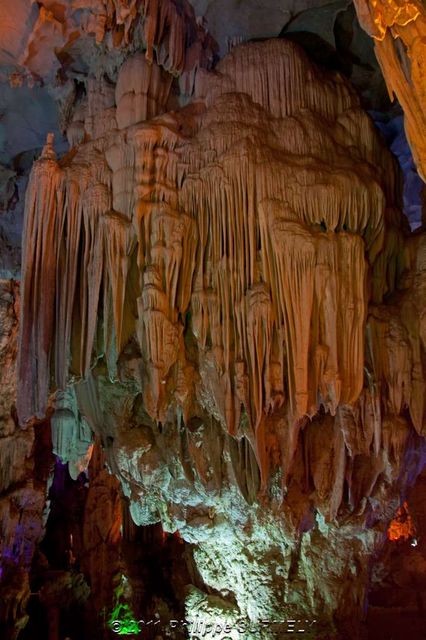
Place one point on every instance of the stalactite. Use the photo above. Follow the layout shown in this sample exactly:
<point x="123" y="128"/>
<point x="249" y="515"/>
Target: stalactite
<point x="96" y="203"/>
<point x="118" y="246"/>
<point x="176" y="41"/>
<point x="326" y="463"/>
<point x="67" y="279"/>
<point x="226" y="294"/>
<point x="71" y="434"/>
<point x="398" y="28"/>
<point x="397" y="367"/>
<point x="227" y="255"/>
<point x="44" y="215"/>
<point x="169" y="29"/>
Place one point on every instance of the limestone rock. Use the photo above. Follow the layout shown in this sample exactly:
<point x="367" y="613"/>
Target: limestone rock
<point x="398" y="28"/>
<point x="226" y="291"/>
<point x="23" y="478"/>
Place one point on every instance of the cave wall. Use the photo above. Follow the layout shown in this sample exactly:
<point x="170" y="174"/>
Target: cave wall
<point x="24" y="473"/>
<point x="219" y="285"/>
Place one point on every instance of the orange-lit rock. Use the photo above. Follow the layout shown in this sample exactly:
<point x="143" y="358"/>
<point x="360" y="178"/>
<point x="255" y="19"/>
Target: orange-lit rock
<point x="402" y="526"/>
<point x="399" y="30"/>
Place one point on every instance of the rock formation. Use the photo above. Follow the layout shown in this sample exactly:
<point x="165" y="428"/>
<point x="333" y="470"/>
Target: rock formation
<point x="222" y="287"/>
<point x="399" y="28"/>
<point x="26" y="460"/>
<point x="222" y="305"/>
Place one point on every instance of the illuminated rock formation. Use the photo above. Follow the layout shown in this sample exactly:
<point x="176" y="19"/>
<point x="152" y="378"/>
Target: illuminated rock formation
<point x="399" y="30"/>
<point x="25" y="464"/>
<point x="402" y="526"/>
<point x="54" y="35"/>
<point x="224" y="289"/>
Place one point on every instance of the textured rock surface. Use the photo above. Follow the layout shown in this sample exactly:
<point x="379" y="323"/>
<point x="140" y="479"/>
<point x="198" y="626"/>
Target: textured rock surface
<point x="49" y="50"/>
<point x="218" y="287"/>
<point x="24" y="470"/>
<point x="74" y="35"/>
<point x="398" y="28"/>
<point x="227" y="289"/>
<point x="231" y="22"/>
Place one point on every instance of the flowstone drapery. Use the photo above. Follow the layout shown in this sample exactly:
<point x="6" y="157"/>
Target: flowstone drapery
<point x="227" y="291"/>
